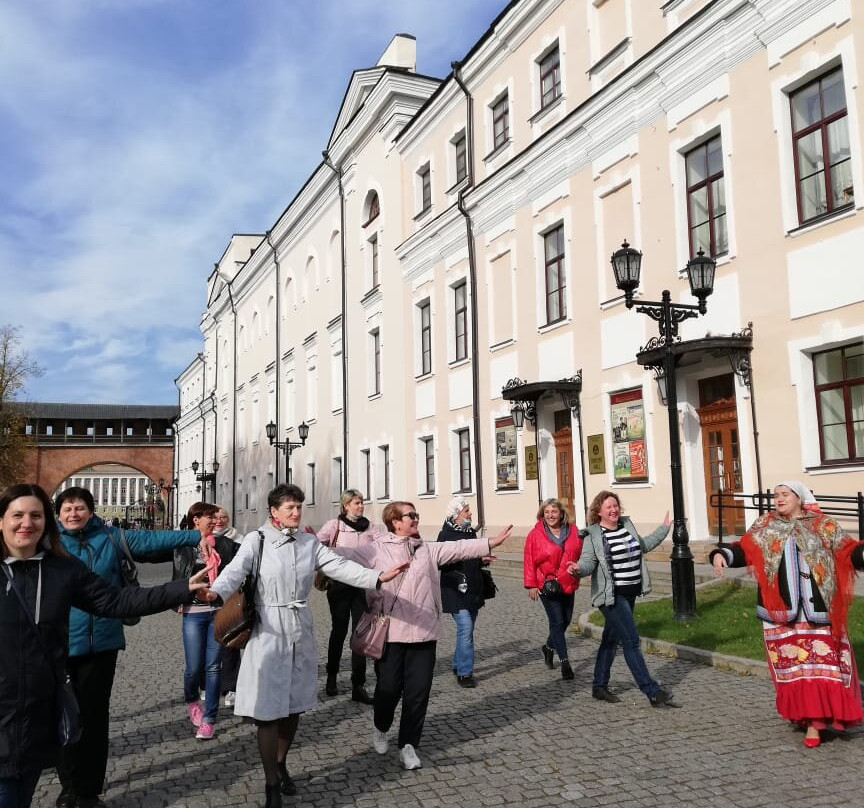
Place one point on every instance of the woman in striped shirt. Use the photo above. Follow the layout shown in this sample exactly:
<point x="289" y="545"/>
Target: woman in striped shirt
<point x="614" y="555"/>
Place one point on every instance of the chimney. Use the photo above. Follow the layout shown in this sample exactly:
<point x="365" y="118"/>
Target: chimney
<point x="401" y="52"/>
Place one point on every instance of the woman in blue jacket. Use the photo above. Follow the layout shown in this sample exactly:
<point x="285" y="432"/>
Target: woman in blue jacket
<point x="95" y="641"/>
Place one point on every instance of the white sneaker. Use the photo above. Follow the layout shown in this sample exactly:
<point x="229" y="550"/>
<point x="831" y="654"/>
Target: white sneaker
<point x="379" y="741"/>
<point x="409" y="757"/>
<point x="203" y="695"/>
<point x="230" y="698"/>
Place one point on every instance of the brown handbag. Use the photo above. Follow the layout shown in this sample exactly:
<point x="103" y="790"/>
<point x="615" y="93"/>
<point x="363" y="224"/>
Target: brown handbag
<point x="234" y="622"/>
<point x="320" y="581"/>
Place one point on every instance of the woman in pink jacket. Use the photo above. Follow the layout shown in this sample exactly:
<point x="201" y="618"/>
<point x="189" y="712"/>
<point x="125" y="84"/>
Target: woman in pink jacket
<point x="413" y="601"/>
<point x="347" y="603"/>
<point x="551" y="545"/>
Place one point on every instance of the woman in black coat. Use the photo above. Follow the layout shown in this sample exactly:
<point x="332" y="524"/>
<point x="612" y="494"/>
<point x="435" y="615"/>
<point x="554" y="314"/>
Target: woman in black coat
<point x="35" y="642"/>
<point x="462" y="590"/>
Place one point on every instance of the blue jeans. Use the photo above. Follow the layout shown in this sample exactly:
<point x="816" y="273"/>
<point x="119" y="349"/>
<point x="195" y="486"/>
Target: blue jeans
<point x="17" y="792"/>
<point x="559" y="612"/>
<point x="203" y="658"/>
<point x="620" y="629"/>
<point x="463" y="653"/>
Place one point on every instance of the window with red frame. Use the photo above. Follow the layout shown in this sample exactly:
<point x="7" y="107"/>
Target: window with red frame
<point x="838" y="377"/>
<point x="706" y="199"/>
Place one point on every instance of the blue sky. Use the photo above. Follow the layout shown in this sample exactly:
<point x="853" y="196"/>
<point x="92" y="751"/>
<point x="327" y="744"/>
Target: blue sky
<point x="138" y="135"/>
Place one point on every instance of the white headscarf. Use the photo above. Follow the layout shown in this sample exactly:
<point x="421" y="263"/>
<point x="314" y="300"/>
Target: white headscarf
<point x="800" y="490"/>
<point x="455" y="507"/>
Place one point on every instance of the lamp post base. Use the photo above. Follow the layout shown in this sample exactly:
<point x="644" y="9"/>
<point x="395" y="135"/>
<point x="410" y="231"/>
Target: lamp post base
<point x="683" y="587"/>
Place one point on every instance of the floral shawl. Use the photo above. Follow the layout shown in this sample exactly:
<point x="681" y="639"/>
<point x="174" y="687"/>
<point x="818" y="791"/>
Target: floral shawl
<point x="826" y="548"/>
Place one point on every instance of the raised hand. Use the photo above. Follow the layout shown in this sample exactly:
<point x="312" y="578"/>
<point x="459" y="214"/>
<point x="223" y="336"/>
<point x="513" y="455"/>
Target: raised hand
<point x="390" y="574"/>
<point x="501" y="537"/>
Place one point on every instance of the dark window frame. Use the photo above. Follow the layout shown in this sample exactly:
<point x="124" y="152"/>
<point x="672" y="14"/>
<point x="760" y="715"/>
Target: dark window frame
<point x="460" y="321"/>
<point x="555" y="265"/>
<point x="708" y="183"/>
<point x="425" y="177"/>
<point x="549" y="65"/>
<point x="374" y="259"/>
<point x="367" y="456"/>
<point x="845" y="384"/>
<point x="385" y="462"/>
<point x="376" y="361"/>
<point x="460" y="153"/>
<point x="501" y="121"/>
<point x="425" y="312"/>
<point x="429" y="464"/>
<point x="463" y="442"/>
<point x="820" y="126"/>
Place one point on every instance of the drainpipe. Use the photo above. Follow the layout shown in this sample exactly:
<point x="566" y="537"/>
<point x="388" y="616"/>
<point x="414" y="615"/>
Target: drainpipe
<point x="338" y="172"/>
<point x="278" y="353"/>
<point x="472" y="282"/>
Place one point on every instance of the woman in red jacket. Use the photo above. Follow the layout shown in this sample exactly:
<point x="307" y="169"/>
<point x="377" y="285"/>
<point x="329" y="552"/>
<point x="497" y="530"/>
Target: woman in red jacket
<point x="550" y="546"/>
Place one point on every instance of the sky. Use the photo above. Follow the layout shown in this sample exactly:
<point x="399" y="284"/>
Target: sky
<point x="137" y="135"/>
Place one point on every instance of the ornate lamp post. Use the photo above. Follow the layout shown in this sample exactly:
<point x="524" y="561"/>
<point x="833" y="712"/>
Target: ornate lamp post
<point x="287" y="446"/>
<point x="626" y="264"/>
<point x="204" y="477"/>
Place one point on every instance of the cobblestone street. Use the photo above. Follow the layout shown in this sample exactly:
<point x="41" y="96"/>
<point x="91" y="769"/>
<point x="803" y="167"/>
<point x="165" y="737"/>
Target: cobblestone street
<point x="522" y="737"/>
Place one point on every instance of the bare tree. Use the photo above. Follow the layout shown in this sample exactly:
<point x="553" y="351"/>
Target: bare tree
<point x="16" y="368"/>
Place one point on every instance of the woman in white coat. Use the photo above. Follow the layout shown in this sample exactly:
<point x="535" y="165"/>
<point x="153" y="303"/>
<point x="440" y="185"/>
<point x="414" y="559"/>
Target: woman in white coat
<point x="279" y="669"/>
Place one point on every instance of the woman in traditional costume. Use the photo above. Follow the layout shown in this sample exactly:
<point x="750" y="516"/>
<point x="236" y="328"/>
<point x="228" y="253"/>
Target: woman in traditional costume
<point x="804" y="564"/>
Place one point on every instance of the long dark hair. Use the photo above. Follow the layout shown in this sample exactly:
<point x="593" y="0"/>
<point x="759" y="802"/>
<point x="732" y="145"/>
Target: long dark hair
<point x="50" y="539"/>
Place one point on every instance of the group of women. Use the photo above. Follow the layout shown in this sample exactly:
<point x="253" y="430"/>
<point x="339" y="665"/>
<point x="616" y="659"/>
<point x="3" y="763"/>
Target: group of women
<point x="803" y="562"/>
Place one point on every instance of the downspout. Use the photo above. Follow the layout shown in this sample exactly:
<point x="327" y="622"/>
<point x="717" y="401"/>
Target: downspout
<point x="472" y="282"/>
<point x="215" y="413"/>
<point x="278" y="353"/>
<point x="342" y="245"/>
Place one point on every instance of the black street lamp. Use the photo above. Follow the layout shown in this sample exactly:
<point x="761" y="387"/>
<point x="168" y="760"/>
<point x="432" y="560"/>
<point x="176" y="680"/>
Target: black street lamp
<point x="205" y="476"/>
<point x="626" y="263"/>
<point x="171" y="505"/>
<point x="287" y="446"/>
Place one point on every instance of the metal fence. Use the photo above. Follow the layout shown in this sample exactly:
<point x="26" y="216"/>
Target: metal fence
<point x="849" y="510"/>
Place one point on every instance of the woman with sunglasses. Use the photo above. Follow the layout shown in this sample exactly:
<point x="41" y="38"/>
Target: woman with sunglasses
<point x="413" y="601"/>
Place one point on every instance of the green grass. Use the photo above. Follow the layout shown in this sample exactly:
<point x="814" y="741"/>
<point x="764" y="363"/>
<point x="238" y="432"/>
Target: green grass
<point x="726" y="622"/>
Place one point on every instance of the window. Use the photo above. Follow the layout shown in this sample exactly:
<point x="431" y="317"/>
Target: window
<point x="461" y="156"/>
<point x="706" y="199"/>
<point x="839" y="384"/>
<point x="500" y="122"/>
<point x="366" y="465"/>
<point x="424" y="176"/>
<point x="556" y="282"/>
<point x="460" y="319"/>
<point x="373" y="259"/>
<point x="374" y="208"/>
<point x="310" y="483"/>
<point x="336" y="479"/>
<point x="550" y="78"/>
<point x="384" y="477"/>
<point x="428" y="455"/>
<point x="464" y="449"/>
<point x="820" y="141"/>
<point x="425" y="312"/>
<point x="375" y="348"/>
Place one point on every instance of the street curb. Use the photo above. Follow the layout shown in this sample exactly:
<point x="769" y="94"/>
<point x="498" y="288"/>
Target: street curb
<point x="724" y="662"/>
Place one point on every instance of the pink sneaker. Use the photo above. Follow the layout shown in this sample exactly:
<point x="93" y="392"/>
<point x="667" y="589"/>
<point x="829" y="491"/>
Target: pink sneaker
<point x="205" y="732"/>
<point x="195" y="713"/>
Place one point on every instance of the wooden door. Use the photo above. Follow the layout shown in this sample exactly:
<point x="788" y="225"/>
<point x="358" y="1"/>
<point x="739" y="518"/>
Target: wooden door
<point x="721" y="456"/>
<point x="563" y="439"/>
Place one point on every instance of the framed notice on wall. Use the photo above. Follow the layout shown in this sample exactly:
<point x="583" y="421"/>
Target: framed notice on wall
<point x="627" y="416"/>
<point x="506" y="457"/>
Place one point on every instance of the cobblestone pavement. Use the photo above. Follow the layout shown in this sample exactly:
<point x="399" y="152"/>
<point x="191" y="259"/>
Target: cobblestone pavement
<point x="522" y="737"/>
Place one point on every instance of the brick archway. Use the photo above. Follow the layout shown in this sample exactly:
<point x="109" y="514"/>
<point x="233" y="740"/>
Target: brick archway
<point x="48" y="466"/>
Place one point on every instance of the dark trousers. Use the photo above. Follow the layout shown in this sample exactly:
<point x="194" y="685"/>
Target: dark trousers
<point x="404" y="671"/>
<point x="82" y="765"/>
<point x="347" y="603"/>
<point x="621" y="629"/>
<point x="559" y="612"/>
<point x="17" y="792"/>
<point x="230" y="669"/>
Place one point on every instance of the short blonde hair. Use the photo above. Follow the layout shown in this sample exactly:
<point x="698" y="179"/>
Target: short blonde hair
<point x="347" y="495"/>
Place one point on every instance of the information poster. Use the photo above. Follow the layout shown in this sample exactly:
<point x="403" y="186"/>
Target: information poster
<point x="506" y="457"/>
<point x="627" y="413"/>
<point x="596" y="455"/>
<point x="530" y="462"/>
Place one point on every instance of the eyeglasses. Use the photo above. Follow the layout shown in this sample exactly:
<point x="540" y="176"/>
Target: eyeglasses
<point x="412" y="515"/>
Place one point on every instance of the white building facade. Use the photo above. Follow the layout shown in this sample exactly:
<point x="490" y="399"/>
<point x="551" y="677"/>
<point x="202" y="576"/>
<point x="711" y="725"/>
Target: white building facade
<point x="451" y="257"/>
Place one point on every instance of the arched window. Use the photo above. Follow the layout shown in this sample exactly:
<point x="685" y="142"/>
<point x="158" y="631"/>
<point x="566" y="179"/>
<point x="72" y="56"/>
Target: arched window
<point x="372" y="208"/>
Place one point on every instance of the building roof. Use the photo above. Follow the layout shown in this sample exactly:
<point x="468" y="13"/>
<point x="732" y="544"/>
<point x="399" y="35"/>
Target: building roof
<point x="74" y="412"/>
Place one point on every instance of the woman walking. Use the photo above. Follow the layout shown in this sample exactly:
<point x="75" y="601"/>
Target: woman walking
<point x="347" y="603"/>
<point x="550" y="547"/>
<point x="614" y="555"/>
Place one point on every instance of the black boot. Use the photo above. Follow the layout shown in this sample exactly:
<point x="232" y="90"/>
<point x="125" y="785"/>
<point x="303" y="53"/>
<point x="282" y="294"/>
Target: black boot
<point x="273" y="798"/>
<point x="547" y="656"/>
<point x="566" y="670"/>
<point x="330" y="688"/>
<point x="286" y="784"/>
<point x="359" y="693"/>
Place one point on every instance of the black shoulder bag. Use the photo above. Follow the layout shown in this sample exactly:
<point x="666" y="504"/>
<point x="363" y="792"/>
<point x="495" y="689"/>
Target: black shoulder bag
<point x="66" y="705"/>
<point x="128" y="570"/>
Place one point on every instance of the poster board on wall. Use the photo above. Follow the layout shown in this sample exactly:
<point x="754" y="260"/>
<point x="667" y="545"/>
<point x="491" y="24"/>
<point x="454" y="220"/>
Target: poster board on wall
<point x="506" y="455"/>
<point x="627" y="416"/>
<point x="596" y="454"/>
